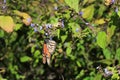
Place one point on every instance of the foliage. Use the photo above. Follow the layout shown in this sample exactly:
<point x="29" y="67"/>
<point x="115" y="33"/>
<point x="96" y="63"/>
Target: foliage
<point x="86" y="32"/>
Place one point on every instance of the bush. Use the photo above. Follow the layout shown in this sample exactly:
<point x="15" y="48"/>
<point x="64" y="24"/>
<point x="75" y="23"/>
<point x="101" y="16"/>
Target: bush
<point x="86" y="33"/>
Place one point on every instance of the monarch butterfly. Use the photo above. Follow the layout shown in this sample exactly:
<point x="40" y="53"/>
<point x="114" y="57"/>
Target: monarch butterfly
<point x="109" y="2"/>
<point x="48" y="49"/>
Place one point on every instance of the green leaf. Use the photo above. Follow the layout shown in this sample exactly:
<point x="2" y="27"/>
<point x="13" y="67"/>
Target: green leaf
<point x="118" y="13"/>
<point x="53" y="20"/>
<point x="36" y="62"/>
<point x="58" y="33"/>
<point x="107" y="53"/>
<point x="63" y="38"/>
<point x="98" y="77"/>
<point x="1" y="78"/>
<point x="88" y="12"/>
<point x="100" y="21"/>
<point x="110" y="32"/>
<point x="25" y="59"/>
<point x="32" y="49"/>
<point x="67" y="15"/>
<point x="13" y="37"/>
<point x="1" y="33"/>
<point x="37" y="53"/>
<point x="6" y="23"/>
<point x="73" y="4"/>
<point x="117" y="55"/>
<point x="85" y="1"/>
<point x="68" y="50"/>
<point x="81" y="74"/>
<point x="76" y="30"/>
<point x="89" y="78"/>
<point x="101" y="10"/>
<point x="78" y="63"/>
<point x="74" y="26"/>
<point x="67" y="44"/>
<point x="17" y="27"/>
<point x="72" y="57"/>
<point x="102" y="39"/>
<point x="115" y="76"/>
<point x="106" y="61"/>
<point x="91" y="1"/>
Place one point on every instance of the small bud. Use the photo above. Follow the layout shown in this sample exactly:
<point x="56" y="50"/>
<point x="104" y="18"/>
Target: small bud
<point x="29" y="19"/>
<point x="55" y="8"/>
<point x="4" y="1"/>
<point x="60" y="50"/>
<point x="35" y="29"/>
<point x="4" y="7"/>
<point x="81" y="13"/>
<point x="47" y="26"/>
<point x="87" y="23"/>
<point x="50" y="38"/>
<point x="40" y="27"/>
<point x="32" y="24"/>
<point x="62" y="24"/>
<point x="112" y="1"/>
<point x="77" y="29"/>
<point x="98" y="67"/>
<point x="107" y="72"/>
<point x="46" y="34"/>
<point x="116" y="9"/>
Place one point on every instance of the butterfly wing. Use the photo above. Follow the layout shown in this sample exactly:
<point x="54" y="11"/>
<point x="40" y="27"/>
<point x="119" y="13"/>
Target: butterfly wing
<point x="46" y="54"/>
<point x="51" y="45"/>
<point x="48" y="48"/>
<point x="48" y="60"/>
<point x="44" y="59"/>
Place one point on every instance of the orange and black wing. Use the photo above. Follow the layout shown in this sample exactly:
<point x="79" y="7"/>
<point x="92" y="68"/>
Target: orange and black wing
<point x="46" y="54"/>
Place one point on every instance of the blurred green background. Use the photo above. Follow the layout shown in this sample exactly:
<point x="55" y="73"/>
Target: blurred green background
<point x="87" y="33"/>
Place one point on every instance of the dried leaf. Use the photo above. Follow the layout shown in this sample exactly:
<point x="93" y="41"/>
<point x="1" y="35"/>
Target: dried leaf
<point x="6" y="23"/>
<point x="26" y="17"/>
<point x="88" y="12"/>
<point x="100" y="21"/>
